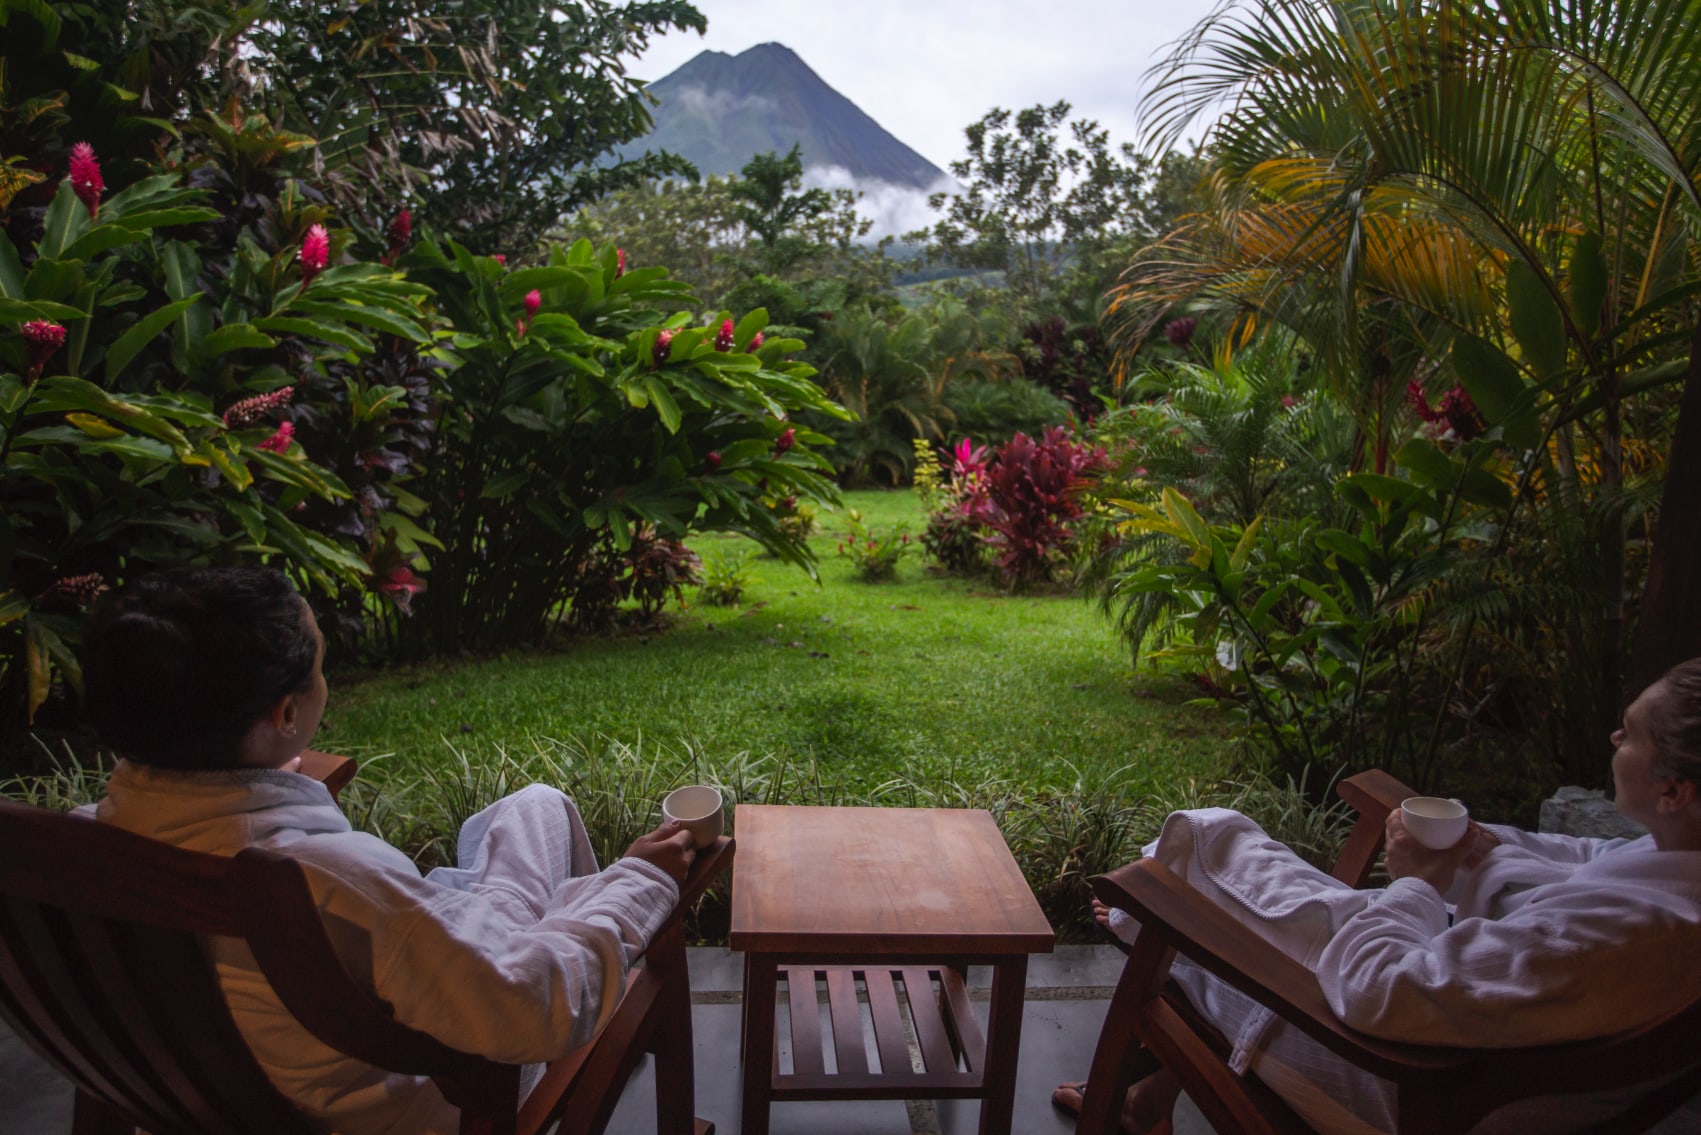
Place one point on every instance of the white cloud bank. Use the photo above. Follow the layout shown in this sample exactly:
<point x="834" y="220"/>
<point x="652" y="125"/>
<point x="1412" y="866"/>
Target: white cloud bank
<point x="894" y="209"/>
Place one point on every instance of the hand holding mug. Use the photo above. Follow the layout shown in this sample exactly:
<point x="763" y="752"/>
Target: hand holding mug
<point x="669" y="847"/>
<point x="1410" y="857"/>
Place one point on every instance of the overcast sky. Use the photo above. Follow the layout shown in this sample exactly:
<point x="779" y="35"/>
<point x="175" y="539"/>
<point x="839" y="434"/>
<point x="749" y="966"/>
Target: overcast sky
<point x="924" y="69"/>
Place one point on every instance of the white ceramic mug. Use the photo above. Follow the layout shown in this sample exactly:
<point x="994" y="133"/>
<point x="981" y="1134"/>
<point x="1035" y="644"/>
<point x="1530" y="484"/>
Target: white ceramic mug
<point x="1435" y="822"/>
<point x="699" y="809"/>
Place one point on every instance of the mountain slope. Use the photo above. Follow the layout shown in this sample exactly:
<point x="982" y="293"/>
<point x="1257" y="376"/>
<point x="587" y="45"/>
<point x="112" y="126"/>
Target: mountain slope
<point x="720" y="110"/>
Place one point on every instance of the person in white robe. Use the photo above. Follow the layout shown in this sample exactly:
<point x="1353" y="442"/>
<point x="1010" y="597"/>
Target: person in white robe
<point x="1507" y="939"/>
<point x="209" y="683"/>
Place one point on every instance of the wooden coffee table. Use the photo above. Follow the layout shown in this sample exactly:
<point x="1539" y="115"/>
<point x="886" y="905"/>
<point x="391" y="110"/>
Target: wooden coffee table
<point x="883" y="907"/>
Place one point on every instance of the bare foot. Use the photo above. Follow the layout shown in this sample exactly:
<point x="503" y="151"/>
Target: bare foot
<point x="1147" y="1110"/>
<point x="1101" y="914"/>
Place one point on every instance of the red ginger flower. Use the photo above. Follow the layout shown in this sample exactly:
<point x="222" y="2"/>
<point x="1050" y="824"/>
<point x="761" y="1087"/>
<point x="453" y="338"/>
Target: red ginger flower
<point x="315" y="253"/>
<point x="41" y="339"/>
<point x="86" y="181"/>
<point x="785" y="441"/>
<point x="251" y="410"/>
<point x="723" y="341"/>
<point x="279" y="442"/>
<point x="713" y="459"/>
<point x="401" y="585"/>
<point x="619" y="263"/>
<point x="79" y="589"/>
<point x="755" y="343"/>
<point x="499" y="258"/>
<point x="533" y="301"/>
<point x="398" y="234"/>
<point x="664" y="345"/>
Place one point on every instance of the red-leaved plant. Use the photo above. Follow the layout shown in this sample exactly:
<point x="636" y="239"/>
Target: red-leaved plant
<point x="1028" y="497"/>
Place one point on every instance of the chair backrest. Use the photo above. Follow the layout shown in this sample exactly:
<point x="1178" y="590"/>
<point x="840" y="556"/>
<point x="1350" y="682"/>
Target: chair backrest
<point x="103" y="969"/>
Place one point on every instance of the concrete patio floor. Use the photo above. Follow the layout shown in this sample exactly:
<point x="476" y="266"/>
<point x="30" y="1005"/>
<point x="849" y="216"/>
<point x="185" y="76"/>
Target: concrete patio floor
<point x="1068" y="992"/>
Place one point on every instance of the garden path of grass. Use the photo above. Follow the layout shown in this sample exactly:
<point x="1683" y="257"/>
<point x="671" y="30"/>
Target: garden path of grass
<point x="923" y="678"/>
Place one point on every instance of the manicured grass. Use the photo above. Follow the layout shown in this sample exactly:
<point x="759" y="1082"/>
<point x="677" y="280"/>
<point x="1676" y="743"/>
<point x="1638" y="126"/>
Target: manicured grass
<point x="924" y="677"/>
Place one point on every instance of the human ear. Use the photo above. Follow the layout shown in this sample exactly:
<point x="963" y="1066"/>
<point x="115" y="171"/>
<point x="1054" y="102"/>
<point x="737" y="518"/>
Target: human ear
<point x="1678" y="794"/>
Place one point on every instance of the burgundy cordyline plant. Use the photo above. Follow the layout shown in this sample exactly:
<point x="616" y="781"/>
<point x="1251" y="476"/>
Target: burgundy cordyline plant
<point x="724" y="340"/>
<point x="315" y="253"/>
<point x="41" y="339"/>
<point x="664" y="344"/>
<point x="250" y="410"/>
<point x="85" y="177"/>
<point x="398" y="234"/>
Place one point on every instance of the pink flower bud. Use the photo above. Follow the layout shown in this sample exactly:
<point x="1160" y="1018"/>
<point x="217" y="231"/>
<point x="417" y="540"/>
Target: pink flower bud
<point x="315" y="253"/>
<point x="713" y="459"/>
<point x="723" y="341"/>
<point x="755" y="343"/>
<point x="41" y="339"/>
<point x="785" y="441"/>
<point x="401" y="229"/>
<point x="279" y="441"/>
<point x="85" y="177"/>
<point x="664" y="344"/>
<point x="619" y="263"/>
<point x="499" y="258"/>
<point x="533" y="301"/>
<point x="520" y="327"/>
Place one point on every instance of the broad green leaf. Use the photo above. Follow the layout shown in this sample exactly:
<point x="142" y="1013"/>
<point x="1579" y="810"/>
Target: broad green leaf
<point x="753" y="321"/>
<point x="376" y="318"/>
<point x="64" y="392"/>
<point x="1185" y="518"/>
<point x="234" y="337"/>
<point x="1427" y="464"/>
<point x="1586" y="283"/>
<point x="130" y="343"/>
<point x="101" y="238"/>
<point x="1481" y="487"/>
<point x="315" y="329"/>
<point x="14" y="605"/>
<point x="1243" y="547"/>
<point x="67" y="219"/>
<point x="1344" y="545"/>
<point x="1499" y="391"/>
<point x="19" y="311"/>
<point x="93" y="426"/>
<point x="36" y="653"/>
<point x="665" y="406"/>
<point x="505" y="484"/>
<point x="1537" y="322"/>
<point x="11" y="270"/>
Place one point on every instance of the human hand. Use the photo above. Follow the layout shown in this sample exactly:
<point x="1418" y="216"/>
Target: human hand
<point x="1409" y="859"/>
<point x="668" y="847"/>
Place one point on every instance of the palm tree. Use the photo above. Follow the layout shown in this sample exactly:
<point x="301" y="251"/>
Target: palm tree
<point x="1502" y="192"/>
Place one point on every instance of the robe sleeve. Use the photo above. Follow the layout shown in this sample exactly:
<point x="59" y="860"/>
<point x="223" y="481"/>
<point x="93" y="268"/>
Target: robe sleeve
<point x="1586" y="962"/>
<point x="464" y="968"/>
<point x="1556" y="848"/>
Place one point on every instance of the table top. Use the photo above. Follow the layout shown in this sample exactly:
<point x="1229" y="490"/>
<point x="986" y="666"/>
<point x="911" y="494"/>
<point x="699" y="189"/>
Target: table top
<point x="879" y="882"/>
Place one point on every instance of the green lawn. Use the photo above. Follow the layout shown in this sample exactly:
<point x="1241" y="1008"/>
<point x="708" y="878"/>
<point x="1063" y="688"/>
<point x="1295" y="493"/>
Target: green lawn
<point x="925" y="677"/>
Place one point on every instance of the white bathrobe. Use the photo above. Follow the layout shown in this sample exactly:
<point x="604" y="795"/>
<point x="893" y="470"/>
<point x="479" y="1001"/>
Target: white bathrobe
<point x="518" y="954"/>
<point x="1553" y="939"/>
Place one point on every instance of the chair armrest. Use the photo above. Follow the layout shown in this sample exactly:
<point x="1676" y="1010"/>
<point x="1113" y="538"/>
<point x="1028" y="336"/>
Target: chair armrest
<point x="1192" y="925"/>
<point x="333" y="771"/>
<point x="1373" y="795"/>
<point x="710" y="864"/>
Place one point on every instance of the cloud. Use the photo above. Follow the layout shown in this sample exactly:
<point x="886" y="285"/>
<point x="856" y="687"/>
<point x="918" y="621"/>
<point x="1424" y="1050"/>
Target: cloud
<point x="894" y="209"/>
<point x="719" y="104"/>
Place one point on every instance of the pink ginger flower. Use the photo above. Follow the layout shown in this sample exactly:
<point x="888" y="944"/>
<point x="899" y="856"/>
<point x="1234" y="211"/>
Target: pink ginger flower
<point x="755" y="343"/>
<point x="664" y="344"/>
<point x="713" y="460"/>
<point x="86" y="181"/>
<point x="1461" y="414"/>
<point x="279" y="442"/>
<point x="785" y="441"/>
<point x="398" y="234"/>
<point x="619" y="263"/>
<point x="401" y="585"/>
<point x="499" y="258"/>
<point x="251" y="410"/>
<point x="1420" y="401"/>
<point x="533" y="301"/>
<point x="41" y="339"/>
<point x="315" y="253"/>
<point x="79" y="589"/>
<point x="723" y="341"/>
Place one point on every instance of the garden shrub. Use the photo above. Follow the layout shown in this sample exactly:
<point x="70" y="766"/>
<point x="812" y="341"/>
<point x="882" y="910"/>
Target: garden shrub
<point x="1029" y="497"/>
<point x="989" y="411"/>
<point x="875" y="557"/>
<point x="574" y="414"/>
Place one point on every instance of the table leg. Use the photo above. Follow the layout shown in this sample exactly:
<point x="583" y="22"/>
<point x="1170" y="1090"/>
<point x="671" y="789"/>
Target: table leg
<point x="1003" y="1045"/>
<point x="761" y="975"/>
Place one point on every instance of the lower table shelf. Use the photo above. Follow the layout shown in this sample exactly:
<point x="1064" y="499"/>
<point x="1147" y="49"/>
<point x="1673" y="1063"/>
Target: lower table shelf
<point x="942" y="1035"/>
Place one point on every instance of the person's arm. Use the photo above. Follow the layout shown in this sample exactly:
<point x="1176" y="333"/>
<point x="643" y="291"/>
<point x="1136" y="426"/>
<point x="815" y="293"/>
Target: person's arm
<point x="456" y="965"/>
<point x="1554" y="847"/>
<point x="1583" y="962"/>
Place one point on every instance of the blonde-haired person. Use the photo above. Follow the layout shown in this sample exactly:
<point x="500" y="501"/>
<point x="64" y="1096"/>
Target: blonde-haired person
<point x="1505" y="940"/>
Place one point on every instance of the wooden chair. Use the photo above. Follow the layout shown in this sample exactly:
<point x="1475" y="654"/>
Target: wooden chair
<point x="102" y="971"/>
<point x="1442" y="1091"/>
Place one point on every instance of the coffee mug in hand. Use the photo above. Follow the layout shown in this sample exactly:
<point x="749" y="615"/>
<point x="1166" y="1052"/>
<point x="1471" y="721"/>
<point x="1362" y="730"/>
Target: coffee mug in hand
<point x="698" y="809"/>
<point x="1435" y="822"/>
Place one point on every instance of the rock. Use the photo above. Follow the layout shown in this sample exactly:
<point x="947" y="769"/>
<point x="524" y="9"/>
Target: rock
<point x="1585" y="812"/>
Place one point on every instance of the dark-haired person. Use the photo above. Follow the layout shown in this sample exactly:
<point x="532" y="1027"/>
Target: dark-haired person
<point x="1550" y="938"/>
<point x="207" y="683"/>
